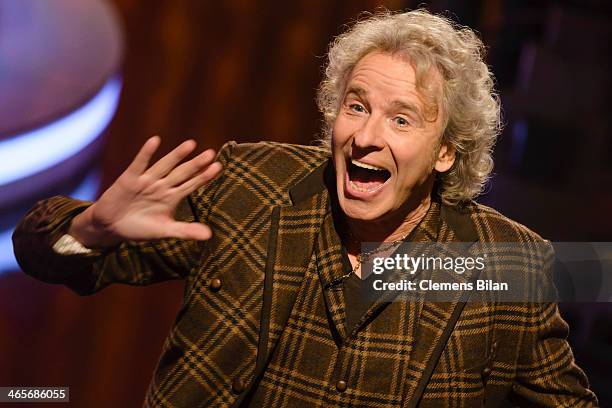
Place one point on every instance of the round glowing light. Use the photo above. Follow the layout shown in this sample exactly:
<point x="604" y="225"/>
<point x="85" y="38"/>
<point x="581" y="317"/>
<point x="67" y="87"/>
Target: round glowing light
<point x="29" y="153"/>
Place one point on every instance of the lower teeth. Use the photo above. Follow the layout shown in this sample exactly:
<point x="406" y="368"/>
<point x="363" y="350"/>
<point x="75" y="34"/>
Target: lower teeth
<point x="364" y="190"/>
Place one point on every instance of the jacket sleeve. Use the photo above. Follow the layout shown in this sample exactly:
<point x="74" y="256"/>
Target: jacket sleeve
<point x="546" y="374"/>
<point x="133" y="263"/>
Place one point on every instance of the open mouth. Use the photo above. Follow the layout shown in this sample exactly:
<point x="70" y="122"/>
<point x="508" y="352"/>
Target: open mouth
<point x="366" y="178"/>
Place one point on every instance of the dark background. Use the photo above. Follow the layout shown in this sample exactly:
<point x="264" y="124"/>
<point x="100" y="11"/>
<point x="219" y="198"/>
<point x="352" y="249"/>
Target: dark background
<point x="247" y="71"/>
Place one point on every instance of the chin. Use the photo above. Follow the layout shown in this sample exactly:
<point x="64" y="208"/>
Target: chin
<point x="361" y="211"/>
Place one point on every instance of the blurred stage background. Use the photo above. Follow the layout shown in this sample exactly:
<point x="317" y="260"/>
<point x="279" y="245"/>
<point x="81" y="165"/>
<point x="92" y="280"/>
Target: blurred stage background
<point x="248" y="71"/>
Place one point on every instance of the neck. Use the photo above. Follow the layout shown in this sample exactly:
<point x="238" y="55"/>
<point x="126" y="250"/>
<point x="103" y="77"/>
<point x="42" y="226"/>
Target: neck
<point x="389" y="230"/>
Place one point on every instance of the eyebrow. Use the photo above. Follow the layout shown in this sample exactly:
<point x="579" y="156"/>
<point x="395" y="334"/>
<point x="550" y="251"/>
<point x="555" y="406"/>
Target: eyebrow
<point x="400" y="105"/>
<point x="360" y="92"/>
<point x="395" y="105"/>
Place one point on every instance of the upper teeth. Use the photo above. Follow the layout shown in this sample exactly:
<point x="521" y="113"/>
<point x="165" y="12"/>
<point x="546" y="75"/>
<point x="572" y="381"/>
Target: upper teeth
<point x="365" y="166"/>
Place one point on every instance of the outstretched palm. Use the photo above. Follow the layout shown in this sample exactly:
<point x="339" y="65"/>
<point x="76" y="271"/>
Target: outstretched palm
<point x="140" y="204"/>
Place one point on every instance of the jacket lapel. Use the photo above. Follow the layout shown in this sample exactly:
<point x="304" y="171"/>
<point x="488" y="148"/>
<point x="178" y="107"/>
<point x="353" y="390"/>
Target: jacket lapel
<point x="293" y="236"/>
<point x="436" y="320"/>
<point x="328" y="256"/>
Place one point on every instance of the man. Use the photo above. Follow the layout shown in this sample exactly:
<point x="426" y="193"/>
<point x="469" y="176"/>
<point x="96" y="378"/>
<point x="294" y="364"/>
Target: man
<point x="268" y="240"/>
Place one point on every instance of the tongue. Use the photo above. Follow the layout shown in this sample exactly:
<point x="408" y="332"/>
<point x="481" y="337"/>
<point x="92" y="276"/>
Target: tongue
<point x="366" y="179"/>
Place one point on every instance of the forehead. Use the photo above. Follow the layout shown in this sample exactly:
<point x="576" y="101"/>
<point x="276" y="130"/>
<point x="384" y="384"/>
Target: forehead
<point x="386" y="68"/>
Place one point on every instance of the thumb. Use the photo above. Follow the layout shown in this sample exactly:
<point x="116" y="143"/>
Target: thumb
<point x="190" y="230"/>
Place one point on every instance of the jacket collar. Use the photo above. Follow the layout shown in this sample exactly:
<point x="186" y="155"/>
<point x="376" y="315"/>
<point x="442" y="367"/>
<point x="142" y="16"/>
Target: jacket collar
<point x="315" y="182"/>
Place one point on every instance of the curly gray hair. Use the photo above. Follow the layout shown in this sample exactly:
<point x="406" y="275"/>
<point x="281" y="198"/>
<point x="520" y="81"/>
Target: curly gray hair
<point x="471" y="107"/>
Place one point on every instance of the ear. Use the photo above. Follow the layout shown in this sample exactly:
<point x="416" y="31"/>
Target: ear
<point x="446" y="158"/>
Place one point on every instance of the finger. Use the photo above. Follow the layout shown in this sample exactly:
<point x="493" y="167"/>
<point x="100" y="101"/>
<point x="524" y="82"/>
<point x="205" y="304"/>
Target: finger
<point x="196" y="182"/>
<point x="141" y="161"/>
<point x="188" y="169"/>
<point x="189" y="230"/>
<point x="169" y="161"/>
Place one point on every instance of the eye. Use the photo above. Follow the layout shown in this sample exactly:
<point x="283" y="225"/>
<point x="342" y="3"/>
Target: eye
<point x="356" y="107"/>
<point x="401" y="121"/>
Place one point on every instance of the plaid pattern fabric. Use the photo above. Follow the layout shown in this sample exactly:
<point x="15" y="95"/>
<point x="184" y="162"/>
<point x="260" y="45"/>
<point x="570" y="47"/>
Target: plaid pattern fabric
<point x="261" y="325"/>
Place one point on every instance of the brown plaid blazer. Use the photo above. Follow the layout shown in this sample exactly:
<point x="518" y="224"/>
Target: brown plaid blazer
<point x="261" y="326"/>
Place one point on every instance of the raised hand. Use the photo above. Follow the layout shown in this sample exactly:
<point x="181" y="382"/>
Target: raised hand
<point x="141" y="203"/>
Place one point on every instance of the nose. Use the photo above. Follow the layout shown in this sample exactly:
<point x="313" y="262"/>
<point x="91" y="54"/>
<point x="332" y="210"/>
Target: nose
<point x="370" y="135"/>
